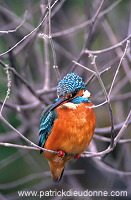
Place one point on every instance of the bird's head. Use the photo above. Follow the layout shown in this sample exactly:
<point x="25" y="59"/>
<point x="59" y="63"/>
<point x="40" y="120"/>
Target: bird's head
<point x="70" y="87"/>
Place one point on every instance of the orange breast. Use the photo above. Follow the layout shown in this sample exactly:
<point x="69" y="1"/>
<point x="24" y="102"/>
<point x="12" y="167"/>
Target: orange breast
<point x="72" y="130"/>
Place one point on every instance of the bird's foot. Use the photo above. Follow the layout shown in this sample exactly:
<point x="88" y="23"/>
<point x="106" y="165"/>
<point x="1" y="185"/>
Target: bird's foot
<point x="77" y="156"/>
<point x="61" y="153"/>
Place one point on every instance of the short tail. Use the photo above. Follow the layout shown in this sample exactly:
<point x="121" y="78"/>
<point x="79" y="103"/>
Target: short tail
<point x="57" y="170"/>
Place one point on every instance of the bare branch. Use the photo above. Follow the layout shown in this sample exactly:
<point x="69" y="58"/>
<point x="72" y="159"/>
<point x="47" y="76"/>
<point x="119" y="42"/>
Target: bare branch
<point x="86" y="23"/>
<point x="116" y="139"/>
<point x="22" y="136"/>
<point x="32" y="32"/>
<point x="107" y="100"/>
<point x="117" y="71"/>
<point x="105" y="139"/>
<point x="14" y="30"/>
<point x="22" y="80"/>
<point x="8" y="90"/>
<point x="108" y="49"/>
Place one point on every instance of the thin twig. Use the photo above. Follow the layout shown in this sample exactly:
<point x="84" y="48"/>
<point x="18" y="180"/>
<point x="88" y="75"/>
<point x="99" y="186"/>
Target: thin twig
<point x="76" y="63"/>
<point x="105" y="139"/>
<point x="8" y="89"/>
<point x="97" y="106"/>
<point x="107" y="99"/>
<point x="117" y="71"/>
<point x="33" y="31"/>
<point x="90" y="70"/>
<point x="121" y="132"/>
<point x="86" y="23"/>
<point x="55" y="66"/>
<point x="14" y="30"/>
<point x="113" y="39"/>
<point x="19" y="108"/>
<point x="22" y="136"/>
<point x="92" y="23"/>
<point x="108" y="49"/>
<point x="105" y="167"/>
<point x="106" y="130"/>
<point x="6" y="144"/>
<point x="116" y="139"/>
<point x="21" y="79"/>
<point x="46" y="85"/>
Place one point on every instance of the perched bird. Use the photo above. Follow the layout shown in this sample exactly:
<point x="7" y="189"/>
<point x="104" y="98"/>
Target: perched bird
<point x="67" y="125"/>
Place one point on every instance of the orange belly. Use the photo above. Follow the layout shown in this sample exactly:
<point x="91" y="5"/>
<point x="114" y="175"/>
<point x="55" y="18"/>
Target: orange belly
<point x="72" y="130"/>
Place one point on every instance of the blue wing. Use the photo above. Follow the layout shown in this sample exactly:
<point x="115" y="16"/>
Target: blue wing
<point x="46" y="123"/>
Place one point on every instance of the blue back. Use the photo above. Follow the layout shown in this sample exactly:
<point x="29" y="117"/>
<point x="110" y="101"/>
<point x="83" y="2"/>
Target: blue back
<point x="46" y="123"/>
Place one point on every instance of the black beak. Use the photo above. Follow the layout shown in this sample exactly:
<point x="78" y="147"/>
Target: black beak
<point x="58" y="102"/>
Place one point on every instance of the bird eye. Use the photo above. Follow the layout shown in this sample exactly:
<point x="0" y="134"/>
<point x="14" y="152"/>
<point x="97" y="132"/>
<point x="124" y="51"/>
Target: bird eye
<point x="74" y="93"/>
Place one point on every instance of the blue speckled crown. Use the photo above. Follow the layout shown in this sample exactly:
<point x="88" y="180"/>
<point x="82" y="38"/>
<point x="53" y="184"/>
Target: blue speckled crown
<point x="69" y="84"/>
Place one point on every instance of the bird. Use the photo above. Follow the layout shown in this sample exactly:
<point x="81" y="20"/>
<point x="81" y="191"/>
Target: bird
<point x="67" y="125"/>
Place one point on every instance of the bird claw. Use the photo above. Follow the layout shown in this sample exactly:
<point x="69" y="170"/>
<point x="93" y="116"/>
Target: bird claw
<point x="61" y="153"/>
<point x="77" y="156"/>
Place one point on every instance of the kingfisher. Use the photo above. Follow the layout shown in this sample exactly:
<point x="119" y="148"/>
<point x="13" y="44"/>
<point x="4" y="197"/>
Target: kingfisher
<point x="67" y="125"/>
